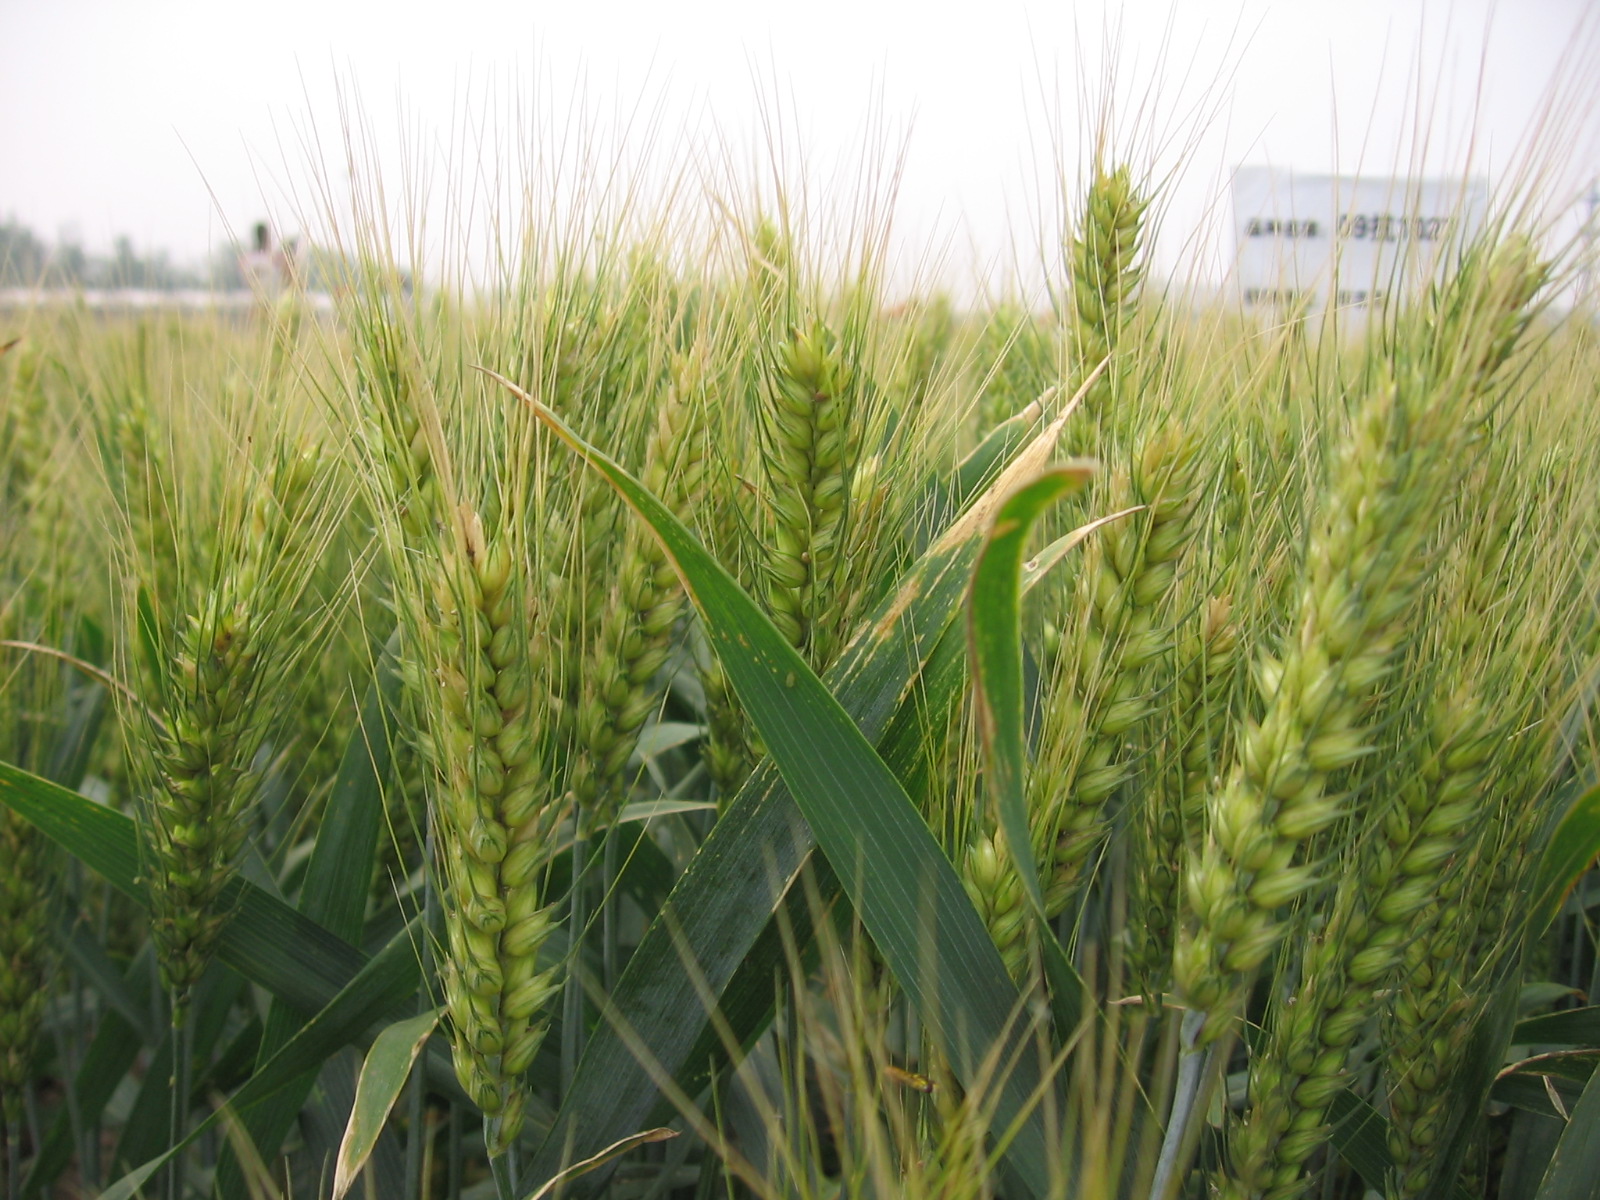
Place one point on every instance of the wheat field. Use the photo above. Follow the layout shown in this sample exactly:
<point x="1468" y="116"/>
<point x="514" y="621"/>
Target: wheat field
<point x="673" y="719"/>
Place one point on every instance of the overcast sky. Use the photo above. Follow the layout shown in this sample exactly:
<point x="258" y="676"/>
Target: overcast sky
<point x="174" y="122"/>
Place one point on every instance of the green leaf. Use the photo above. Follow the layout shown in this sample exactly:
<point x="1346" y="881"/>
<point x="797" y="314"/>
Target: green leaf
<point x="1541" y="993"/>
<point x="903" y="888"/>
<point x="905" y="743"/>
<point x="1533" y="1093"/>
<point x="69" y="758"/>
<point x="388" y="979"/>
<point x="1040" y="565"/>
<point x="1565" y="1064"/>
<point x="746" y="1005"/>
<point x="1574" y="1027"/>
<point x="92" y="961"/>
<point x="383" y="1076"/>
<point x="148" y="1128"/>
<point x="650" y="810"/>
<point x="658" y="738"/>
<point x="335" y="891"/>
<point x="1574" y="1170"/>
<point x="133" y="1182"/>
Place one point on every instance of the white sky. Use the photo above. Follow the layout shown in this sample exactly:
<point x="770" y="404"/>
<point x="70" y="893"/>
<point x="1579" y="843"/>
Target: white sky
<point x="176" y="121"/>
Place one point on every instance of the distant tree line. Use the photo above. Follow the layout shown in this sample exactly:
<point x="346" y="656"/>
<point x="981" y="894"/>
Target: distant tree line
<point x="27" y="260"/>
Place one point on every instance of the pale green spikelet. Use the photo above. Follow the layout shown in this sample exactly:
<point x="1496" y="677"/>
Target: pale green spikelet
<point x="1511" y="591"/>
<point x="996" y="892"/>
<point x="1359" y="584"/>
<point x="1460" y="937"/>
<point x="1437" y="999"/>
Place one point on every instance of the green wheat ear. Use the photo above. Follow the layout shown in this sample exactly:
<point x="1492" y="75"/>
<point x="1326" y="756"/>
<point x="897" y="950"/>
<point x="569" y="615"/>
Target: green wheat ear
<point x="28" y="950"/>
<point x="1473" y="808"/>
<point x="639" y="613"/>
<point x="811" y="450"/>
<point x="27" y="954"/>
<point x="1351" y="621"/>
<point x="478" y="669"/>
<point x="494" y="819"/>
<point x="205" y="778"/>
<point x="1379" y="907"/>
<point x="1105" y="690"/>
<point x="1106" y="274"/>
<point x="1364" y="568"/>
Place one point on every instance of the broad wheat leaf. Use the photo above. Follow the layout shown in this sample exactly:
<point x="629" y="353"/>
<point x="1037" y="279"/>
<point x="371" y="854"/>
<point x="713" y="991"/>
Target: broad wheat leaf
<point x="994" y="633"/>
